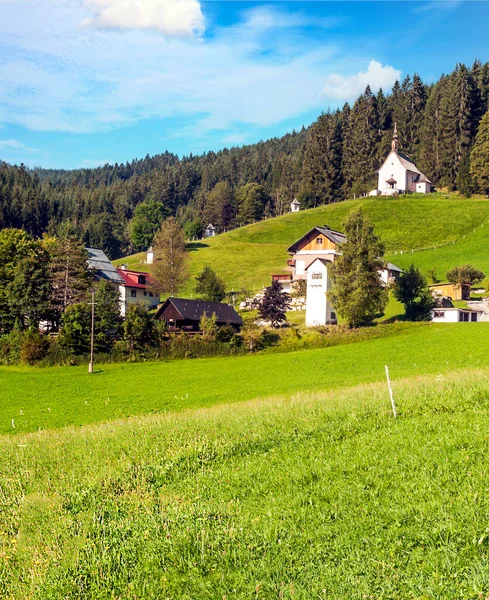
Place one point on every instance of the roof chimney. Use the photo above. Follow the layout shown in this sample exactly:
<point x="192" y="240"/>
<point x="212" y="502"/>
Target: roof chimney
<point x="123" y="267"/>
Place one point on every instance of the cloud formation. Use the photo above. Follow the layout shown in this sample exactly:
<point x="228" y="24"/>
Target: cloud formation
<point x="171" y="17"/>
<point x="341" y="87"/>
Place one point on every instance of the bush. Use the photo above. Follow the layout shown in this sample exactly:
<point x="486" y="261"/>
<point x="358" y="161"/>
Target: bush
<point x="34" y="347"/>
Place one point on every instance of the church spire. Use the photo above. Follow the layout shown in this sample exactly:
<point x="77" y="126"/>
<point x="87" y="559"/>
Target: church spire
<point x="395" y="140"/>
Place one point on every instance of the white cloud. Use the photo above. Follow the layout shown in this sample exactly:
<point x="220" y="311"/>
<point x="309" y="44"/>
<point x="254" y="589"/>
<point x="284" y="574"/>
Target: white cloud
<point x="171" y="17"/>
<point x="257" y="72"/>
<point x="438" y="6"/>
<point x="16" y="146"/>
<point x="341" y="87"/>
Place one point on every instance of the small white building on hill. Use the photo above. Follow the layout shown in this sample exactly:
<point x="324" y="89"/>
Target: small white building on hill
<point x="399" y="174"/>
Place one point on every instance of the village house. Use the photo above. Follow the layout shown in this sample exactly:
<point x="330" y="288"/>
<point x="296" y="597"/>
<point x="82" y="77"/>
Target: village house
<point x="450" y="290"/>
<point x="133" y="286"/>
<point x="318" y="309"/>
<point x="390" y="275"/>
<point x="456" y="315"/>
<point x="184" y="315"/>
<point x="136" y="289"/>
<point x="399" y="174"/>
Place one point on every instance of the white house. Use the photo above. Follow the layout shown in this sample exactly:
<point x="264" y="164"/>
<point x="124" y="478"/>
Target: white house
<point x="399" y="174"/>
<point x="319" y="310"/>
<point x="136" y="289"/>
<point x="295" y="206"/>
<point x="390" y="274"/>
<point x="210" y="231"/>
<point x="456" y="315"/>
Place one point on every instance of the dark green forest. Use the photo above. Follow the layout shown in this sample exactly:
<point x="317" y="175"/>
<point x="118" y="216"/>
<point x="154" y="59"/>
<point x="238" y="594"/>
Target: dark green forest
<point x="120" y="207"/>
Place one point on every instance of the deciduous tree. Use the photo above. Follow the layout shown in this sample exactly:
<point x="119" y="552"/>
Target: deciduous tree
<point x="274" y="304"/>
<point x="412" y="291"/>
<point x="170" y="269"/>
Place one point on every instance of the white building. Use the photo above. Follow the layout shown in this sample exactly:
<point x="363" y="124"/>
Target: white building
<point x="136" y="289"/>
<point x="390" y="274"/>
<point x="456" y="315"/>
<point x="399" y="174"/>
<point x="210" y="231"/>
<point x="150" y="256"/>
<point x="295" y="206"/>
<point x="318" y="309"/>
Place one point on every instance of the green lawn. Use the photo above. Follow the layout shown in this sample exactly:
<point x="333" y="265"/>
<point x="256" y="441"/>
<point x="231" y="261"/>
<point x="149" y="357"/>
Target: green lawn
<point x="322" y="496"/>
<point x="54" y="397"/>
<point x="246" y="257"/>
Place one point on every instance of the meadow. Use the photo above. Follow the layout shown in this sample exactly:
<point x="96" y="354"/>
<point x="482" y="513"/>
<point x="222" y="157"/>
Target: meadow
<point x="45" y="398"/>
<point x="246" y="257"/>
<point x="314" y="495"/>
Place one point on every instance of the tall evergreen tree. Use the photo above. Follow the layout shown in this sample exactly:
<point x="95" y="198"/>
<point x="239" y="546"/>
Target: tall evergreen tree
<point x="358" y="294"/>
<point x="479" y="159"/>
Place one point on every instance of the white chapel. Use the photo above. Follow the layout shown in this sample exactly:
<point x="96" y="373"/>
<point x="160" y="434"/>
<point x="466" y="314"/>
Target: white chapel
<point x="399" y="174"/>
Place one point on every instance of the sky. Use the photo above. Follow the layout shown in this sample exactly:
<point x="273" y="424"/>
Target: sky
<point x="89" y="82"/>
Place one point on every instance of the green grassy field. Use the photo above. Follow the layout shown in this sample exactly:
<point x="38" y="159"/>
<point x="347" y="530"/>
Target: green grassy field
<point x="323" y="495"/>
<point x="55" y="397"/>
<point x="246" y="257"/>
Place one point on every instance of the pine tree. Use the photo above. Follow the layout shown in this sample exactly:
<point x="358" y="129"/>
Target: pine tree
<point x="430" y="143"/>
<point x="209" y="286"/>
<point x="68" y="272"/>
<point x="251" y="199"/>
<point x="321" y="179"/>
<point x="274" y="304"/>
<point x="170" y="270"/>
<point x="464" y="181"/>
<point x="107" y="316"/>
<point x="358" y="294"/>
<point x="479" y="158"/>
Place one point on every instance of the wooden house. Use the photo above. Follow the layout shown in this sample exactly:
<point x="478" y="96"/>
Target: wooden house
<point x="450" y="290"/>
<point x="181" y="314"/>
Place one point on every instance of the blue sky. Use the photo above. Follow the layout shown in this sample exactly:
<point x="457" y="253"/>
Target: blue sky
<point x="85" y="82"/>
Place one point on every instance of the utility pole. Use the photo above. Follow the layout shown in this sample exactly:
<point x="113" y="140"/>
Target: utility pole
<point x="90" y="364"/>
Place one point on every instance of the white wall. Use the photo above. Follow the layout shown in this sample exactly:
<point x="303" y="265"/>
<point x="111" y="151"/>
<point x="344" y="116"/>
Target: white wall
<point x="318" y="309"/>
<point x="392" y="168"/>
<point x="451" y="316"/>
<point x="140" y="298"/>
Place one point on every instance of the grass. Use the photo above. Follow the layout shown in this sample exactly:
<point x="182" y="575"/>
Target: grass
<point x="320" y="495"/>
<point x="246" y="257"/>
<point x="71" y="397"/>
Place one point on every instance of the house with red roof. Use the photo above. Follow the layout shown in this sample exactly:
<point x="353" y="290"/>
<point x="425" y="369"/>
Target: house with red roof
<point x="136" y="289"/>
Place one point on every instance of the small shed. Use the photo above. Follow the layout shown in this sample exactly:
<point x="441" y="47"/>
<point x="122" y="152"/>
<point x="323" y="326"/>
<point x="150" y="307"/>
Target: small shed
<point x="181" y="314"/>
<point x="150" y="256"/>
<point x="210" y="230"/>
<point x="295" y="206"/>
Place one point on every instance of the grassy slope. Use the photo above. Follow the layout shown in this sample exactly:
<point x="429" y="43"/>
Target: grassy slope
<point x="322" y="496"/>
<point x="246" y="257"/>
<point x="71" y="397"/>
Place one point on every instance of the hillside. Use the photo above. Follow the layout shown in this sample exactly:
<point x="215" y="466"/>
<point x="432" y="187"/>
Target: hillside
<point x="246" y="257"/>
<point x="323" y="495"/>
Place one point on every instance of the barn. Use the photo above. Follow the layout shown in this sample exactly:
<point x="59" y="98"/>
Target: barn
<point x="181" y="314"/>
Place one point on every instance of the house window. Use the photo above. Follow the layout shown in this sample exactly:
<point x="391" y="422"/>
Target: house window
<point x="317" y="275"/>
<point x="473" y="317"/>
<point x="134" y="293"/>
<point x="145" y="293"/>
<point x="439" y="314"/>
<point x="319" y="241"/>
<point x="463" y="317"/>
<point x="333" y="316"/>
<point x="151" y="294"/>
<point x="142" y="279"/>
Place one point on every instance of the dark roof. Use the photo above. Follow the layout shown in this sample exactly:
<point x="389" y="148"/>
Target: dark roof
<point x="194" y="309"/>
<point x="333" y="236"/>
<point x="101" y="266"/>
<point x="391" y="180"/>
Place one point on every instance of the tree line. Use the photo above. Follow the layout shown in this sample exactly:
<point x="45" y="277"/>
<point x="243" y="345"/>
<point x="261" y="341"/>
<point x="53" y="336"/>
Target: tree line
<point x="443" y="126"/>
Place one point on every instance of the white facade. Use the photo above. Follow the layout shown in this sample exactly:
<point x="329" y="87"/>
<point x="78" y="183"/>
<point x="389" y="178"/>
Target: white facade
<point x="295" y="206"/>
<point x="318" y="308"/>
<point x="455" y="315"/>
<point x="210" y="230"/>
<point x="150" y="256"/>
<point x="129" y="295"/>
<point x="399" y="174"/>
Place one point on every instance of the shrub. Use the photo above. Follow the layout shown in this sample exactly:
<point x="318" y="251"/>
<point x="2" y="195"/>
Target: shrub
<point x="34" y="347"/>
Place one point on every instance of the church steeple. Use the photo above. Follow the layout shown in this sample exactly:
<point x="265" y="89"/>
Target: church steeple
<point x="395" y="140"/>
